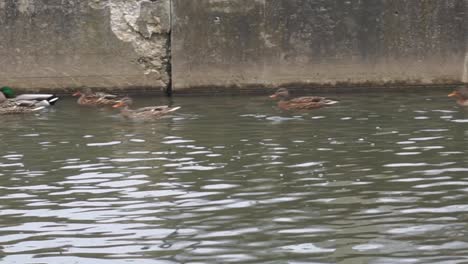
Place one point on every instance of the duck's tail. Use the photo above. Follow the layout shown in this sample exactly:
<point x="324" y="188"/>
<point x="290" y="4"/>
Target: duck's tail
<point x="330" y="102"/>
<point x="173" y="109"/>
<point x="53" y="99"/>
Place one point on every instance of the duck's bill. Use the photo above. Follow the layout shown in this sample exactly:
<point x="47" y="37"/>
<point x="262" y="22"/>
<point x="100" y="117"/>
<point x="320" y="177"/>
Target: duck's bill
<point x="273" y="96"/>
<point x="77" y="94"/>
<point x="453" y="94"/>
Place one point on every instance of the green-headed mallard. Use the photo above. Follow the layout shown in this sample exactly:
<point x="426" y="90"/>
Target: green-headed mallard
<point x="87" y="97"/>
<point x="144" y="113"/>
<point x="25" y="103"/>
<point x="18" y="107"/>
<point x="28" y="99"/>
<point x="461" y="93"/>
<point x="300" y="103"/>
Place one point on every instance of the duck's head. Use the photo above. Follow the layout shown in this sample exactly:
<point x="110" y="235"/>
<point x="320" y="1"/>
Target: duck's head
<point x="281" y="93"/>
<point x="126" y="101"/>
<point x="85" y="91"/>
<point x="7" y="91"/>
<point x="461" y="92"/>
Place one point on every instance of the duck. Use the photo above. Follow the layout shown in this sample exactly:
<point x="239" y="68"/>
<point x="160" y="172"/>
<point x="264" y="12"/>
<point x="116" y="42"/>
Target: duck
<point x="461" y="94"/>
<point x="300" y="103"/>
<point x="8" y="106"/>
<point x="144" y="113"/>
<point x="7" y="93"/>
<point x="87" y="97"/>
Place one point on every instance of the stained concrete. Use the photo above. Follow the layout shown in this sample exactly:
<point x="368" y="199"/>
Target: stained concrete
<point x="316" y="43"/>
<point x="138" y="45"/>
<point x="68" y="44"/>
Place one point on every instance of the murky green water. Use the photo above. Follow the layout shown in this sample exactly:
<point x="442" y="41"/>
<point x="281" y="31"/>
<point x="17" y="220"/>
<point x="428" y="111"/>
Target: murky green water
<point x="379" y="178"/>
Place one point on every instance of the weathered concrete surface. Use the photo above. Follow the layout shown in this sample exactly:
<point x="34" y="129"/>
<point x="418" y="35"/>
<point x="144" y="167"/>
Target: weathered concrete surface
<point x="126" y="44"/>
<point x="84" y="43"/>
<point x="253" y="43"/>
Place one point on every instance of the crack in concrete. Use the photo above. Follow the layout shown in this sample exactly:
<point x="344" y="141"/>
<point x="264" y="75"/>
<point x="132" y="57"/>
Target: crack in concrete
<point x="146" y="25"/>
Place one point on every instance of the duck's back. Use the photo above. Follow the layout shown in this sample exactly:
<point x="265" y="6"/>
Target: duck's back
<point x="49" y="98"/>
<point x="307" y="99"/>
<point x="148" y="113"/>
<point x="303" y="103"/>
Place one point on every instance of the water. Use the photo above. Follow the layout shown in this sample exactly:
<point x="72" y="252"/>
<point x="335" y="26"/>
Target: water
<point x="379" y="178"/>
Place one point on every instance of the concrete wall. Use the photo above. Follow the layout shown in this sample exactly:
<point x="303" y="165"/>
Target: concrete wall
<point x="75" y="43"/>
<point x="127" y="44"/>
<point x="253" y="43"/>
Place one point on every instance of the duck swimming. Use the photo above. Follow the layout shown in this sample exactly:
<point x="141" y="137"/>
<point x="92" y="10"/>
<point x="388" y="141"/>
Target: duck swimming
<point x="144" y="113"/>
<point x="87" y="97"/>
<point x="461" y="93"/>
<point x="25" y="103"/>
<point x="17" y="107"/>
<point x="300" y="103"/>
<point x="6" y="93"/>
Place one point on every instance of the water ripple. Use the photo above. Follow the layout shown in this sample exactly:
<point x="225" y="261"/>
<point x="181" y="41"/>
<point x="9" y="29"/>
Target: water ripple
<point x="238" y="180"/>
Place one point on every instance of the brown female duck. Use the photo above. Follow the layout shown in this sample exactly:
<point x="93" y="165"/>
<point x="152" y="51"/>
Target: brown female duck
<point x="461" y="93"/>
<point x="144" y="113"/>
<point x="87" y="97"/>
<point x="300" y="103"/>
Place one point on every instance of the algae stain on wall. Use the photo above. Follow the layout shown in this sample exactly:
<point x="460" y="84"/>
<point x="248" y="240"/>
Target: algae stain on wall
<point x="26" y="6"/>
<point x="146" y="25"/>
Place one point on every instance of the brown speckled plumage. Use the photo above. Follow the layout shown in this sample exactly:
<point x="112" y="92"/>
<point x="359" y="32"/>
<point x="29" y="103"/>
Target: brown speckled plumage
<point x="87" y="97"/>
<point x="300" y="103"/>
<point x="10" y="107"/>
<point x="144" y="113"/>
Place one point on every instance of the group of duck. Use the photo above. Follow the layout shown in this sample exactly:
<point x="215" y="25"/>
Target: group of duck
<point x="28" y="103"/>
<point x="313" y="102"/>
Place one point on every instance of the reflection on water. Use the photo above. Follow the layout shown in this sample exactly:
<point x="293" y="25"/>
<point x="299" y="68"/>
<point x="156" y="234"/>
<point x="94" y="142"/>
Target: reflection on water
<point x="379" y="178"/>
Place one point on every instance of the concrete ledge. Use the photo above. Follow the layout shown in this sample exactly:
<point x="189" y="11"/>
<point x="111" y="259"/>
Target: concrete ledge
<point x="128" y="90"/>
<point x="308" y="89"/>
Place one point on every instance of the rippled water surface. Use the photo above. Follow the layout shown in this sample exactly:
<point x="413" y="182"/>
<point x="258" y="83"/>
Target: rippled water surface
<point x="379" y="178"/>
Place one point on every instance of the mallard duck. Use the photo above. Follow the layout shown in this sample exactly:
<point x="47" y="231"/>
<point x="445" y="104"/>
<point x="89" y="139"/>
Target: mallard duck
<point x="144" y="113"/>
<point x="300" y="103"/>
<point x="87" y="97"/>
<point x="461" y="93"/>
<point x="18" y="107"/>
<point x="28" y="99"/>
